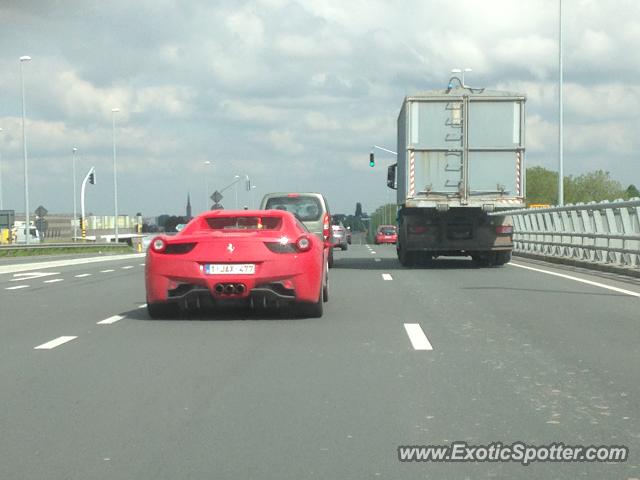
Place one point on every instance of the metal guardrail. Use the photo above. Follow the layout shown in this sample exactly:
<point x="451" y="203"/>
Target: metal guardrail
<point x="78" y="245"/>
<point x="605" y="233"/>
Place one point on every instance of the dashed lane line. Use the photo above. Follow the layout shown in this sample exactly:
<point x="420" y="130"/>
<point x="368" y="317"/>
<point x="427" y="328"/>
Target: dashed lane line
<point x="17" y="287"/>
<point x="144" y="305"/>
<point x="54" y="280"/>
<point x="56" y="342"/>
<point x="127" y="267"/>
<point x="107" y="271"/>
<point x="387" y="276"/>
<point x="377" y="259"/>
<point x="110" y="320"/>
<point x="82" y="275"/>
<point x="418" y="339"/>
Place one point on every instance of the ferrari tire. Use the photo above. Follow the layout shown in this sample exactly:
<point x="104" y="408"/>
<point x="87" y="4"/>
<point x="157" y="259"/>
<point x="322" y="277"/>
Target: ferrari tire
<point x="331" y="258"/>
<point x="161" y="310"/>
<point x="325" y="289"/>
<point x="344" y="247"/>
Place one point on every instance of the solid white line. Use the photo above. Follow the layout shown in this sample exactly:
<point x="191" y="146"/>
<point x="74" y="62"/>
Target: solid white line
<point x="54" y="343"/>
<point x="127" y="267"/>
<point x="17" y="287"/>
<point x="386" y="276"/>
<point x="110" y="320"/>
<point x="581" y="280"/>
<point x="64" y="263"/>
<point x="377" y="259"/>
<point x="82" y="275"/>
<point x="418" y="339"/>
<point x="107" y="271"/>
<point x="54" y="280"/>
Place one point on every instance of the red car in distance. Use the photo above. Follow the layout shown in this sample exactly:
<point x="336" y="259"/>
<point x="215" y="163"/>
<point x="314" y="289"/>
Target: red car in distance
<point x="386" y="234"/>
<point x="260" y="258"/>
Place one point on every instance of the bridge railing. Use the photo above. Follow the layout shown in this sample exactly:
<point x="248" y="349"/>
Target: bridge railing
<point x="606" y="233"/>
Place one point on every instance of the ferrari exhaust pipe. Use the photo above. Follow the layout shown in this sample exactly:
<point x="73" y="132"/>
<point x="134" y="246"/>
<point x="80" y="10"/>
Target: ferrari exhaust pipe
<point x="219" y="288"/>
<point x="240" y="288"/>
<point x="229" y="288"/>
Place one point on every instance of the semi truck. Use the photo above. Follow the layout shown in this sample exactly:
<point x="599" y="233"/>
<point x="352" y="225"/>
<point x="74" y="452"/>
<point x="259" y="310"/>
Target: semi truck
<point x="460" y="163"/>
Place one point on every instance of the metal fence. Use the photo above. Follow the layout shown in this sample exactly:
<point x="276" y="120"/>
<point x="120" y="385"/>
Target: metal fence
<point x="606" y="233"/>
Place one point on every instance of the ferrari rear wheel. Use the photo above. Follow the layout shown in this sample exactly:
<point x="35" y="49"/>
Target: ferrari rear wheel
<point x="325" y="289"/>
<point x="331" y="258"/>
<point x="313" y="310"/>
<point x="161" y="310"/>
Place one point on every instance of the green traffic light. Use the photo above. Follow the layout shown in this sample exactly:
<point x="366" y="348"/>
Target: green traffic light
<point x="372" y="162"/>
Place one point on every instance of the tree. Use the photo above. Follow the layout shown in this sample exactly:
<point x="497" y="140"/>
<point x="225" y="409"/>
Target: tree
<point x="632" y="192"/>
<point x="358" y="210"/>
<point x="542" y="186"/>
<point x="592" y="187"/>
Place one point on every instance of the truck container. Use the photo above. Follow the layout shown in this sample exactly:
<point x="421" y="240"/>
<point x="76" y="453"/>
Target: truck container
<point x="460" y="163"/>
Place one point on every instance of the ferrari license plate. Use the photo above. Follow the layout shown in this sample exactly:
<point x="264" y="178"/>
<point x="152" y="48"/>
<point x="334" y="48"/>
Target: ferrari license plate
<point x="230" y="269"/>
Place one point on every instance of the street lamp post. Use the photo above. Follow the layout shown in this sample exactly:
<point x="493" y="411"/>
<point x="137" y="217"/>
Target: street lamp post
<point x="27" y="230"/>
<point x="115" y="174"/>
<point x="237" y="177"/>
<point x="75" y="211"/>
<point x="1" y="204"/>
<point x="206" y="185"/>
<point x="253" y="187"/>
<point x="561" y="119"/>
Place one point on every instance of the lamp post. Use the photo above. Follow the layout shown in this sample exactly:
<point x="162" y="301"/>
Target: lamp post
<point x="206" y="185"/>
<point x="561" y="119"/>
<point x="462" y="71"/>
<point x="75" y="211"/>
<point x="1" y="205"/>
<point x="237" y="177"/>
<point x="253" y="187"/>
<point x="115" y="174"/>
<point x="27" y="229"/>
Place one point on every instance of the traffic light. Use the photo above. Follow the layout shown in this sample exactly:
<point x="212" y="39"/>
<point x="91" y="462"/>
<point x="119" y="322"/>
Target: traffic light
<point x="372" y="162"/>
<point x="92" y="178"/>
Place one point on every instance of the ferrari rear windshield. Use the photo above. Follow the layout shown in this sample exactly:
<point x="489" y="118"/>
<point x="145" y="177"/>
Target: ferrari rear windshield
<point x="244" y="223"/>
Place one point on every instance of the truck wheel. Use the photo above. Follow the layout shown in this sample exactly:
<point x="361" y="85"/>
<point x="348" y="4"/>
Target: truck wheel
<point x="406" y="258"/>
<point x="501" y="258"/>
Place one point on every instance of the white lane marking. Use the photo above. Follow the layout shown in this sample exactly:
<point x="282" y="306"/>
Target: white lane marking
<point x="110" y="320"/>
<point x="54" y="280"/>
<point x="24" y="267"/>
<point x="17" y="287"/>
<point x="377" y="259"/>
<point x="82" y="275"/>
<point x="107" y="271"/>
<point x="418" y="339"/>
<point x="127" y="267"/>
<point x="144" y="305"/>
<point x="373" y="252"/>
<point x="21" y="277"/>
<point x="54" y="343"/>
<point x="142" y="264"/>
<point x="386" y="276"/>
<point x="581" y="280"/>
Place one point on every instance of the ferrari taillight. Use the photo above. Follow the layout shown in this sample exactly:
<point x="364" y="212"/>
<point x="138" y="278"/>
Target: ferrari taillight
<point x="326" y="227"/>
<point x="158" y="245"/>
<point x="303" y="244"/>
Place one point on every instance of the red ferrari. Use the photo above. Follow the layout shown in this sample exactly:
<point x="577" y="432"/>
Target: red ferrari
<point x="261" y="258"/>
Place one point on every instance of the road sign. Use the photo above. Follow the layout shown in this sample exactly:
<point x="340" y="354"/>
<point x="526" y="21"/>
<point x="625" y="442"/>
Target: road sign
<point x="41" y="211"/>
<point x="217" y="196"/>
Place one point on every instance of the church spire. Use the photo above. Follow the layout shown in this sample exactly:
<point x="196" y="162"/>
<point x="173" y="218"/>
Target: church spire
<point x="188" y="206"/>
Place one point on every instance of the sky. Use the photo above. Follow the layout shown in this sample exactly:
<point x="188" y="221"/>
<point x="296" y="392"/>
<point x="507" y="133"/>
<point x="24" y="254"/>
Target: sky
<point x="291" y="93"/>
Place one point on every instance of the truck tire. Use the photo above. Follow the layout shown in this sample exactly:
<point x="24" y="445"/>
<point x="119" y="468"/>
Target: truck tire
<point x="501" y="258"/>
<point x="407" y="259"/>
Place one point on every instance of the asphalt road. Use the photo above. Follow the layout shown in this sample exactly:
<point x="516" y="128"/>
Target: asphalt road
<point x="506" y="354"/>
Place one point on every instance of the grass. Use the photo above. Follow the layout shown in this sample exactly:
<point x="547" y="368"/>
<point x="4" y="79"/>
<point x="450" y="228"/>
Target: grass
<point x="28" y="252"/>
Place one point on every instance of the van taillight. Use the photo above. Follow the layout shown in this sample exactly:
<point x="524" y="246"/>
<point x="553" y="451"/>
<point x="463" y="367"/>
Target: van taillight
<point x="326" y="227"/>
<point x="504" y="229"/>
